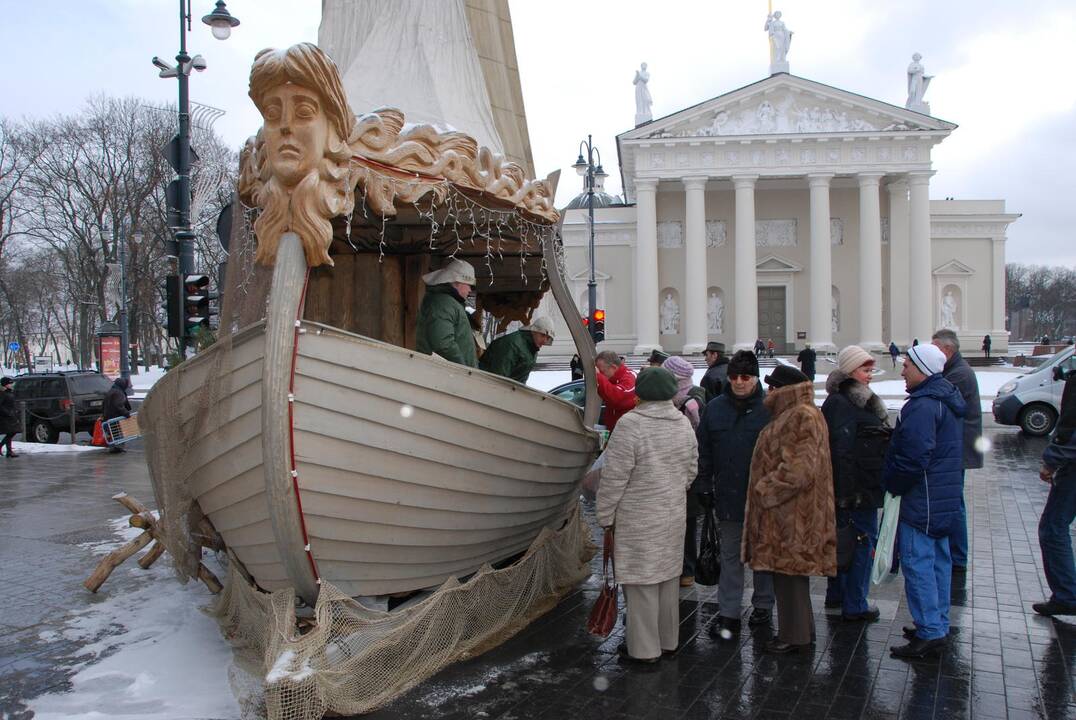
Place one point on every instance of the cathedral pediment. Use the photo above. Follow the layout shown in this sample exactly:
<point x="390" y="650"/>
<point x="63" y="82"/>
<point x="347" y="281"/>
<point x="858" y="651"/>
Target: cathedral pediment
<point x="772" y="263"/>
<point x="953" y="267"/>
<point x="787" y="105"/>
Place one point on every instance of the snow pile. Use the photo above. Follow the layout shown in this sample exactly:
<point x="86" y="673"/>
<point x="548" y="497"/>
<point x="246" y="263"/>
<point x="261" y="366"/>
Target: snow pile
<point x="154" y="654"/>
<point x="25" y="448"/>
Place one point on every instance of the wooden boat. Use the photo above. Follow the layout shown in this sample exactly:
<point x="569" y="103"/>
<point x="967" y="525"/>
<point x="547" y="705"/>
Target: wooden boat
<point x="317" y="441"/>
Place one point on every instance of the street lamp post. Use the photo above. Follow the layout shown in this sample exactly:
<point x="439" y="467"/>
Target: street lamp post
<point x="222" y="22"/>
<point x="586" y="168"/>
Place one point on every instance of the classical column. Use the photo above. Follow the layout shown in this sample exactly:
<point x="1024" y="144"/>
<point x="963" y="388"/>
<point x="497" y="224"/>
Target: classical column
<point x="820" y="330"/>
<point x="920" y="285"/>
<point x="898" y="262"/>
<point x="693" y="302"/>
<point x="997" y="315"/>
<point x="746" y="283"/>
<point x="646" y="266"/>
<point x="870" y="263"/>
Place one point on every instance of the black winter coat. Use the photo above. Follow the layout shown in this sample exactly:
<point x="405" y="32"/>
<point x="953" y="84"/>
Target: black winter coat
<point x="858" y="439"/>
<point x="116" y="403"/>
<point x="806" y="360"/>
<point x="959" y="373"/>
<point x="727" y="435"/>
<point x="10" y="422"/>
<point x="716" y="378"/>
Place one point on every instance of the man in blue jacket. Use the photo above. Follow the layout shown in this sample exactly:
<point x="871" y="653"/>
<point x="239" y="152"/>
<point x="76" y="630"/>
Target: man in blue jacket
<point x="924" y="466"/>
<point x="1055" y="542"/>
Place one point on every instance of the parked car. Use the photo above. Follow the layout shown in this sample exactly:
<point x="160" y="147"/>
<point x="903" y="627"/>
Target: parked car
<point x="50" y="397"/>
<point x="1033" y="401"/>
<point x="576" y="392"/>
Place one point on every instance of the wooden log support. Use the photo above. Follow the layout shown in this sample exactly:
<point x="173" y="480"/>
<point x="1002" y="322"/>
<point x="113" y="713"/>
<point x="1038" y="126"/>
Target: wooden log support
<point x="142" y="518"/>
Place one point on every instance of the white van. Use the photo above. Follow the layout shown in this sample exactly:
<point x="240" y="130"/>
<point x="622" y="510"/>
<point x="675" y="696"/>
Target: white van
<point x="1033" y="401"/>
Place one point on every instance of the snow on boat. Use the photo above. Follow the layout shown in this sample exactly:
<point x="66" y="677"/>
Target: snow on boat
<point x="318" y="442"/>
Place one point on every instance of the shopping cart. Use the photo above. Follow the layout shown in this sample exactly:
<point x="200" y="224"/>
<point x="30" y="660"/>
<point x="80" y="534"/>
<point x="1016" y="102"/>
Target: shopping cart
<point x="120" y="430"/>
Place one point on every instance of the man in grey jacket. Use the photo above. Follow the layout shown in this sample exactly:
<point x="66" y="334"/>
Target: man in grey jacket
<point x="959" y="373"/>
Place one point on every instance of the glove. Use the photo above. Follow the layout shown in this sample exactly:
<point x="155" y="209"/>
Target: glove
<point x="706" y="500"/>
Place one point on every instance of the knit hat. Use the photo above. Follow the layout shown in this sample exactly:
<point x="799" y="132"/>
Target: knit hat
<point x="786" y="375"/>
<point x="456" y="271"/>
<point x="5" y="381"/>
<point x="654" y="383"/>
<point x="851" y="358"/>
<point x="679" y="367"/>
<point x="743" y="362"/>
<point x="657" y="356"/>
<point x="928" y="358"/>
<point x="541" y="325"/>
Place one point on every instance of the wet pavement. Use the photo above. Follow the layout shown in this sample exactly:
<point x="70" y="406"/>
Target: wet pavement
<point x="1003" y="661"/>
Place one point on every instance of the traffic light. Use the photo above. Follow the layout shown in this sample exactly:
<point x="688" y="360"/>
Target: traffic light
<point x="597" y="328"/>
<point x="173" y="292"/>
<point x="196" y="310"/>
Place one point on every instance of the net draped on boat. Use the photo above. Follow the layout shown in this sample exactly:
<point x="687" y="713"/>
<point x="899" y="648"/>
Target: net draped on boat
<point x="353" y="659"/>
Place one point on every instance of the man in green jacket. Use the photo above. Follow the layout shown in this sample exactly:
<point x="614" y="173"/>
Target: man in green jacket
<point x="514" y="355"/>
<point x="443" y="328"/>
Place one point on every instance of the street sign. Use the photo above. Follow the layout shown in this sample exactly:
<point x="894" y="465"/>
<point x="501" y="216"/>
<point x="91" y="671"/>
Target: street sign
<point x="13" y="346"/>
<point x="171" y="153"/>
<point x="42" y="363"/>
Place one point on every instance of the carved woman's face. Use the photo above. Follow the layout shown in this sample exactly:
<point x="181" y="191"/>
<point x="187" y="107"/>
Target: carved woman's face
<point x="296" y="132"/>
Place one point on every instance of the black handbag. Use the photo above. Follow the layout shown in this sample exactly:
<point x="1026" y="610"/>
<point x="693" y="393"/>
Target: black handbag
<point x="708" y="565"/>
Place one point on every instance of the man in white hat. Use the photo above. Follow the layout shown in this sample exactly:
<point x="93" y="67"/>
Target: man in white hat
<point x="514" y="355"/>
<point x="443" y="328"/>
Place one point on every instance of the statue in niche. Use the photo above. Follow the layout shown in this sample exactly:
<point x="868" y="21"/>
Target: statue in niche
<point x="918" y="82"/>
<point x="780" y="39"/>
<point x="715" y="314"/>
<point x="670" y="315"/>
<point x="300" y="174"/>
<point x="643" y="101"/>
<point x="948" y="311"/>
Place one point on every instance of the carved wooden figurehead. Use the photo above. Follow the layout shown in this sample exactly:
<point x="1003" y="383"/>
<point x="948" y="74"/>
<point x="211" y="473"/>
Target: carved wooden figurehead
<point x="302" y="168"/>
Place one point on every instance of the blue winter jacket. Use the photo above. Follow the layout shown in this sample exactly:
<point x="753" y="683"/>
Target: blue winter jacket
<point x="924" y="464"/>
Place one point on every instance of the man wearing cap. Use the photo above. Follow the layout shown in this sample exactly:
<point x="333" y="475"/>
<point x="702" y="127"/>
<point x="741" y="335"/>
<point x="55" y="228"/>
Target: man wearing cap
<point x="727" y="435"/>
<point x="924" y="467"/>
<point x="657" y="358"/>
<point x="959" y="373"/>
<point x="713" y="382"/>
<point x="443" y="328"/>
<point x="514" y="355"/>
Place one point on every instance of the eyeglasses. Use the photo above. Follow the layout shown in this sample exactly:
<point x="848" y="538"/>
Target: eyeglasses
<point x="741" y="378"/>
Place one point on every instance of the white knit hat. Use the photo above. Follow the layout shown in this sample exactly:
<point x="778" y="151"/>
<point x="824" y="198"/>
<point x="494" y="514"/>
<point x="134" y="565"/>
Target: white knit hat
<point x="456" y="271"/>
<point x="851" y="358"/>
<point x="928" y="358"/>
<point x="542" y="325"/>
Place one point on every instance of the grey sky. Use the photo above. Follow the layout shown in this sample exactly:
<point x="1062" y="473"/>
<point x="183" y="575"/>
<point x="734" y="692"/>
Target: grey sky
<point x="1003" y="73"/>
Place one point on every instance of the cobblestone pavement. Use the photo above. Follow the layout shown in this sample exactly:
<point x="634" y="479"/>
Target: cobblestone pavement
<point x="1004" y="661"/>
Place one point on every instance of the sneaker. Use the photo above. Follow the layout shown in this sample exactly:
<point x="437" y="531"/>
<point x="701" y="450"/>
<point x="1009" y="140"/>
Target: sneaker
<point x="760" y="616"/>
<point x="1053" y="607"/>
<point x="909" y="631"/>
<point x="687" y="580"/>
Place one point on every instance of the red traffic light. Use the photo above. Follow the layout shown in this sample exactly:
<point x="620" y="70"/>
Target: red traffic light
<point x="599" y="315"/>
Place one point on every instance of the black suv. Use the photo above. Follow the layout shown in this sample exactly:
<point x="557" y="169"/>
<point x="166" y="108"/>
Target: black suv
<point x="49" y="398"/>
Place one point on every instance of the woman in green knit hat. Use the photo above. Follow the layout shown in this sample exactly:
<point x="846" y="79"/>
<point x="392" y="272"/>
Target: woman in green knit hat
<point x="650" y="462"/>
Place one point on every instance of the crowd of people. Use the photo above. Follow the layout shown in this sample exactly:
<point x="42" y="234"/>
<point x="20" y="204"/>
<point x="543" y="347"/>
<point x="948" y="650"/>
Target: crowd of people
<point x="796" y="490"/>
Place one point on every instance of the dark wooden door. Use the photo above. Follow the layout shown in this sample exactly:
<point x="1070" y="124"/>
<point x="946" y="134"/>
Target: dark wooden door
<point x="771" y="316"/>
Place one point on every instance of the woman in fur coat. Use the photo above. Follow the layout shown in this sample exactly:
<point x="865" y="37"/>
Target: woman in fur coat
<point x="650" y="462"/>
<point x="858" y="436"/>
<point x="789" y="525"/>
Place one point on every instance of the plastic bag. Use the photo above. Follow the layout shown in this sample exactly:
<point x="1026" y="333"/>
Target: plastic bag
<point x="708" y="565"/>
<point x="887" y="539"/>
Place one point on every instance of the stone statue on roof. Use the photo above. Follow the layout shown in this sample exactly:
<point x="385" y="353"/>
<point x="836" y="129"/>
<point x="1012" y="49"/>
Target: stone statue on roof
<point x="918" y="82"/>
<point x="780" y="39"/>
<point x="643" y="101"/>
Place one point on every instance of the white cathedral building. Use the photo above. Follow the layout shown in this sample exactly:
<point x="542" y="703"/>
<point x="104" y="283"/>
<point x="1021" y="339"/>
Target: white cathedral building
<point x="791" y="210"/>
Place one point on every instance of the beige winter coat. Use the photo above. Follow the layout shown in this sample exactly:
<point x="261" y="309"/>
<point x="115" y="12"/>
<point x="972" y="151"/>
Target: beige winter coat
<point x="650" y="462"/>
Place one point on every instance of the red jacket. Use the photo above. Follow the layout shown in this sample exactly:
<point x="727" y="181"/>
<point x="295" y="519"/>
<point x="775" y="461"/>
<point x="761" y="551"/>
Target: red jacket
<point x="618" y="394"/>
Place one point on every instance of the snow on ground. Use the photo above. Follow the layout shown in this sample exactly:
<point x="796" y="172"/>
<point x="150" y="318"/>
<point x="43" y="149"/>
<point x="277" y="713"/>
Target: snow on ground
<point x="156" y="655"/>
<point x="25" y="448"/>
